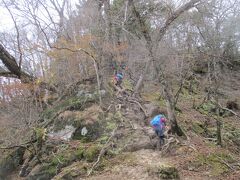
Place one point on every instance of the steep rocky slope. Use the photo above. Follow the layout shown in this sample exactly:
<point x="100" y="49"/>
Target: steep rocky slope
<point x="79" y="139"/>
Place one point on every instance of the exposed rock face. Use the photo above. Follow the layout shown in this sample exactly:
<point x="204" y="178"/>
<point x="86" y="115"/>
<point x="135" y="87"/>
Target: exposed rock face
<point x="11" y="161"/>
<point x="78" y="124"/>
<point x="64" y="134"/>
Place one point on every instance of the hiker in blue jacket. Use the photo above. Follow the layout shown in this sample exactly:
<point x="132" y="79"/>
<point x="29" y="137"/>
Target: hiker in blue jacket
<point x="118" y="77"/>
<point x="159" y="125"/>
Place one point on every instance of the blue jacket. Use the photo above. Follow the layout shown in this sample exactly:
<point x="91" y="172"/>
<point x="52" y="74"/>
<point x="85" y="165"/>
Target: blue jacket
<point x="120" y="76"/>
<point x="157" y="123"/>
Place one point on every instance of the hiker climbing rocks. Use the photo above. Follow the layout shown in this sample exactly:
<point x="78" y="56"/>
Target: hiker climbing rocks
<point x="119" y="69"/>
<point x="118" y="77"/>
<point x="159" y="124"/>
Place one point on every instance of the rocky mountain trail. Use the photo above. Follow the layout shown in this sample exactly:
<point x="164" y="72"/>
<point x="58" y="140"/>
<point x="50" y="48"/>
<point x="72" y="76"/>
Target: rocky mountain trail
<point x="81" y="139"/>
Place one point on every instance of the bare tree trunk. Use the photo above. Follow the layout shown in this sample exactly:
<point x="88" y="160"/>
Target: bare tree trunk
<point x="107" y="10"/>
<point x="98" y="80"/>
<point x="169" y="98"/>
<point x="218" y="123"/>
<point x="219" y="134"/>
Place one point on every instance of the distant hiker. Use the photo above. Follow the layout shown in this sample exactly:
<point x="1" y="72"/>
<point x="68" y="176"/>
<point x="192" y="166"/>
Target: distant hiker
<point x="159" y="125"/>
<point x="118" y="77"/>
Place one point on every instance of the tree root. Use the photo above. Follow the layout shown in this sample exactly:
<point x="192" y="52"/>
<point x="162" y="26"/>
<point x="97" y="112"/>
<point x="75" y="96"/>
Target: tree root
<point x="102" y="152"/>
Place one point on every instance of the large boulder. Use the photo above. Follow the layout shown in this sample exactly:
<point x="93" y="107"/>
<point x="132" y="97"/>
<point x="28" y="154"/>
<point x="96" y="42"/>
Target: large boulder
<point x="139" y="139"/>
<point x="88" y="124"/>
<point x="78" y="124"/>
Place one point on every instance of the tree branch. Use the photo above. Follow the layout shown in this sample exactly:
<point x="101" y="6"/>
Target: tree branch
<point x="11" y="64"/>
<point x="8" y="74"/>
<point x="18" y="35"/>
<point x="173" y="17"/>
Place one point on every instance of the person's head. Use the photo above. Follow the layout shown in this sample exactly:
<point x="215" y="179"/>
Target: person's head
<point x="163" y="119"/>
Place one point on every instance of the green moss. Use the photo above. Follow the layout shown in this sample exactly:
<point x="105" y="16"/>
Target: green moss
<point x="164" y="172"/>
<point x="212" y="132"/>
<point x="128" y="85"/>
<point x="110" y="126"/>
<point x="152" y="96"/>
<point x="89" y="153"/>
<point x="73" y="171"/>
<point x="71" y="103"/>
<point x="209" y="108"/>
<point x="80" y="152"/>
<point x="63" y="158"/>
<point x="118" y="117"/>
<point x="198" y="127"/>
<point x="168" y="173"/>
<point x="161" y="102"/>
<point x="48" y="113"/>
<point x="54" y="161"/>
<point x="52" y="170"/>
<point x="103" y="139"/>
<point x="40" y="133"/>
<point x="92" y="153"/>
<point x="215" y="162"/>
<point x="206" y="107"/>
<point x="231" y="135"/>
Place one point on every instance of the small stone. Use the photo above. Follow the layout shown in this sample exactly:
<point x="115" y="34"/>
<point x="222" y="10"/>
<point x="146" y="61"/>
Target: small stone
<point x="84" y="131"/>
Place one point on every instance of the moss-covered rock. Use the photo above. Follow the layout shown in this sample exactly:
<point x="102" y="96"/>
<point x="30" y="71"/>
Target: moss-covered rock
<point x="53" y="165"/>
<point x="11" y="161"/>
<point x="86" y="125"/>
<point x="89" y="124"/>
<point x="42" y="172"/>
<point x="164" y="172"/>
<point x="77" y="169"/>
<point x="72" y="103"/>
<point x="88" y="152"/>
<point x="92" y="153"/>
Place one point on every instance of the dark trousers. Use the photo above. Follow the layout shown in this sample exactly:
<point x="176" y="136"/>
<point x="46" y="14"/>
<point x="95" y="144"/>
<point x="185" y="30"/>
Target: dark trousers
<point x="160" y="134"/>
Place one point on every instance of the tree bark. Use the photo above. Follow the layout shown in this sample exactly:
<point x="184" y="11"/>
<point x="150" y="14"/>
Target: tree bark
<point x="168" y="96"/>
<point x="11" y="64"/>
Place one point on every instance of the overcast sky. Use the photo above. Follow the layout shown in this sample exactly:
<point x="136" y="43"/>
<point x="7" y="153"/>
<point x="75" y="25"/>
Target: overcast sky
<point x="6" y="23"/>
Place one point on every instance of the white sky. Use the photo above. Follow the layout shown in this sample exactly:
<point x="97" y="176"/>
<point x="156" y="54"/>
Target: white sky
<point x="6" y="23"/>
